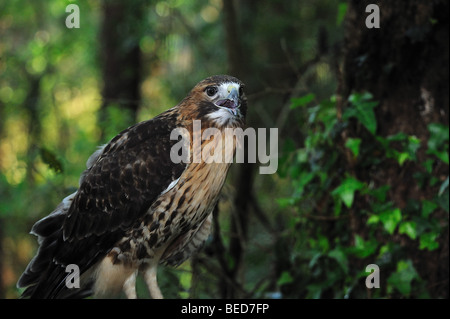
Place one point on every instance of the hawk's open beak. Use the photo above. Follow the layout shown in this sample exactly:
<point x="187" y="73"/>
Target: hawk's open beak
<point x="231" y="102"/>
<point x="234" y="96"/>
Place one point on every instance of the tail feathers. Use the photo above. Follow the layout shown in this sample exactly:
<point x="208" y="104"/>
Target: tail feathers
<point x="43" y="277"/>
<point x="52" y="285"/>
<point x="39" y="264"/>
<point x="47" y="283"/>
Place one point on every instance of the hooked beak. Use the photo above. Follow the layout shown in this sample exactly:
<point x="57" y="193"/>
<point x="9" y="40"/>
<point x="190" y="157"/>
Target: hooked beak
<point x="231" y="102"/>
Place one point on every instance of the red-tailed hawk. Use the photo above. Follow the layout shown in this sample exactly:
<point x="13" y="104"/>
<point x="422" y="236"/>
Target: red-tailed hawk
<point x="136" y="208"/>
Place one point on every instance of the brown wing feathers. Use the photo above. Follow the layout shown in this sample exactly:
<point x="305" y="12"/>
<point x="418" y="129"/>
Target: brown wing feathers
<point x="133" y="169"/>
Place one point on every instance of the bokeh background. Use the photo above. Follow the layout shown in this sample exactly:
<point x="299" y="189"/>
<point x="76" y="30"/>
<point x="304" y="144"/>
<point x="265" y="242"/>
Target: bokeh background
<point x="362" y="115"/>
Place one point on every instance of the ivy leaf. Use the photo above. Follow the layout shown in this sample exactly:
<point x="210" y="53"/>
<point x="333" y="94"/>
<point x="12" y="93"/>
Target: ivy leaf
<point x="428" y="241"/>
<point x="346" y="191"/>
<point x="366" y="116"/>
<point x="353" y="145"/>
<point x="403" y="277"/>
<point x="408" y="228"/>
<point x="363" y="110"/>
<point x="373" y="219"/>
<point x="402" y="157"/>
<point x="428" y="207"/>
<point x="302" y="101"/>
<point x="285" y="278"/>
<point x="364" y="248"/>
<point x="438" y="141"/>
<point x="413" y="146"/>
<point x="390" y="219"/>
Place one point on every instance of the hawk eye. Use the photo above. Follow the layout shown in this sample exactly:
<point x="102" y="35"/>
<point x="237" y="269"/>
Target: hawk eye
<point x="211" y="90"/>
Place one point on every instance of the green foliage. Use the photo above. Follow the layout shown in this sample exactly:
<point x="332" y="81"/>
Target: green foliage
<point x="326" y="199"/>
<point x="342" y="10"/>
<point x="302" y="101"/>
<point x="403" y="277"/>
<point x="346" y="191"/>
<point x="362" y="109"/>
<point x="353" y="144"/>
<point x="438" y="141"/>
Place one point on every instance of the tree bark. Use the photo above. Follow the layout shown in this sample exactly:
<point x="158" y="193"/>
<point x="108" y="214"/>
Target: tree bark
<point x="244" y="178"/>
<point x="404" y="64"/>
<point x="120" y="57"/>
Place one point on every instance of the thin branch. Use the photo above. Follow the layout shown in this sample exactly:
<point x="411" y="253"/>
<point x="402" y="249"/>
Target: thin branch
<point x="325" y="218"/>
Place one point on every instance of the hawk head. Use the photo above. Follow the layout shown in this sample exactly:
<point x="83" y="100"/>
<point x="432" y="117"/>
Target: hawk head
<point x="220" y="100"/>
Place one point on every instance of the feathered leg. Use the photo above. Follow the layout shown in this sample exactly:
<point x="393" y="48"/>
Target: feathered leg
<point x="152" y="282"/>
<point x="129" y="287"/>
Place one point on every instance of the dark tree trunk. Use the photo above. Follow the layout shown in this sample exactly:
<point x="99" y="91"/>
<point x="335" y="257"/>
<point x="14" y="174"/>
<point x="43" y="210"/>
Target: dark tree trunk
<point x="404" y="64"/>
<point x="120" y="57"/>
<point x="243" y="181"/>
<point x="233" y="41"/>
<point x="244" y="62"/>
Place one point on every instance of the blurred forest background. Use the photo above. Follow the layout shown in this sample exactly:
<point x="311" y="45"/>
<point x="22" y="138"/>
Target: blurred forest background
<point x="362" y="115"/>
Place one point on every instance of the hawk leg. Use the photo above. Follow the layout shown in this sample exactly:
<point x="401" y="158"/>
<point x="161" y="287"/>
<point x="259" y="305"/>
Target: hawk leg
<point x="129" y="287"/>
<point x="152" y="282"/>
